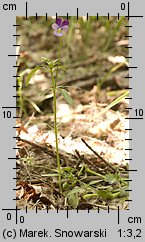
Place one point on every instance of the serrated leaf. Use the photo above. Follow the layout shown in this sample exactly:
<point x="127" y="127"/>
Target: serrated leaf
<point x="31" y="74"/>
<point x="66" y="96"/>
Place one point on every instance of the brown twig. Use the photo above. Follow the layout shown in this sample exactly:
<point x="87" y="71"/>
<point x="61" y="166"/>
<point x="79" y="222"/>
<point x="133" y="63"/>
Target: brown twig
<point x="45" y="149"/>
<point x="83" y="159"/>
<point x="81" y="78"/>
<point x="101" y="158"/>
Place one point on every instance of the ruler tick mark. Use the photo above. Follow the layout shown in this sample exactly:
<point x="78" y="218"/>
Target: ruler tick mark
<point x="134" y="16"/>
<point x="134" y="118"/>
<point x="88" y="209"/>
<point x="10" y="209"/>
<point x="14" y="158"/>
<point x="128" y="11"/>
<point x="118" y="16"/>
<point x="77" y="13"/>
<point x="108" y="16"/>
<point x="108" y="209"/>
<point x="118" y="210"/>
<point x="16" y="127"/>
<point x="128" y="36"/>
<point x="16" y="189"/>
<point x="16" y="137"/>
<point x="26" y="10"/>
<point x="131" y="170"/>
<point x="10" y="107"/>
<point x="131" y="67"/>
<point x="47" y="209"/>
<point x="16" y="25"/>
<point x="13" y="55"/>
<point x="67" y="212"/>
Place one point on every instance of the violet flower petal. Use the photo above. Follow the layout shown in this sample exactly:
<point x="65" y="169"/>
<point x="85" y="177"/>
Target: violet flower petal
<point x="58" y="34"/>
<point x="65" y="28"/>
<point x="55" y="26"/>
<point x="65" y="22"/>
<point x="59" y="22"/>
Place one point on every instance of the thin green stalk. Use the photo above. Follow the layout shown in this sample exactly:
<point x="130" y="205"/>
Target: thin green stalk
<point x="55" y="129"/>
<point x="54" y="82"/>
<point x="59" y="48"/>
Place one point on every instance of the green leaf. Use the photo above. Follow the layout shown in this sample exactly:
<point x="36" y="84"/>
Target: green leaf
<point x="66" y="96"/>
<point x="111" y="178"/>
<point x="34" y="105"/>
<point x="31" y="74"/>
<point x="94" y="182"/>
<point x="63" y="68"/>
<point x="73" y="199"/>
<point x="106" y="195"/>
<point x="116" y="101"/>
<point x="73" y="196"/>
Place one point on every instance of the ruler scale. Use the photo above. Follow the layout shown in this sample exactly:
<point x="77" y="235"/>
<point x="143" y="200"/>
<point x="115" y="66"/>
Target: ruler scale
<point x="87" y="225"/>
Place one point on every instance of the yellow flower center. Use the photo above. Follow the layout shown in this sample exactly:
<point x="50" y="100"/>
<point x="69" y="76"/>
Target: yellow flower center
<point x="59" y="30"/>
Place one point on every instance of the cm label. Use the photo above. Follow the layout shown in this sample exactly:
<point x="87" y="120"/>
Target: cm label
<point x="9" y="7"/>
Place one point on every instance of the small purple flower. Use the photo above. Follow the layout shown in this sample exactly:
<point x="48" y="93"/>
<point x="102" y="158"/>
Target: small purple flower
<point x="60" y="27"/>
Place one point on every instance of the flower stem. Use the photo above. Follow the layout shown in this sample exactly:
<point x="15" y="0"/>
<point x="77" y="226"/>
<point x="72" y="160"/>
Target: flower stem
<point x="56" y="130"/>
<point x="54" y="82"/>
<point x="59" y="48"/>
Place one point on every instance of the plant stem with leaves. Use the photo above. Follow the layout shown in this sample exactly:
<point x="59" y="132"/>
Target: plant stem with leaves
<point x="54" y="81"/>
<point x="54" y="89"/>
<point x="60" y="27"/>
